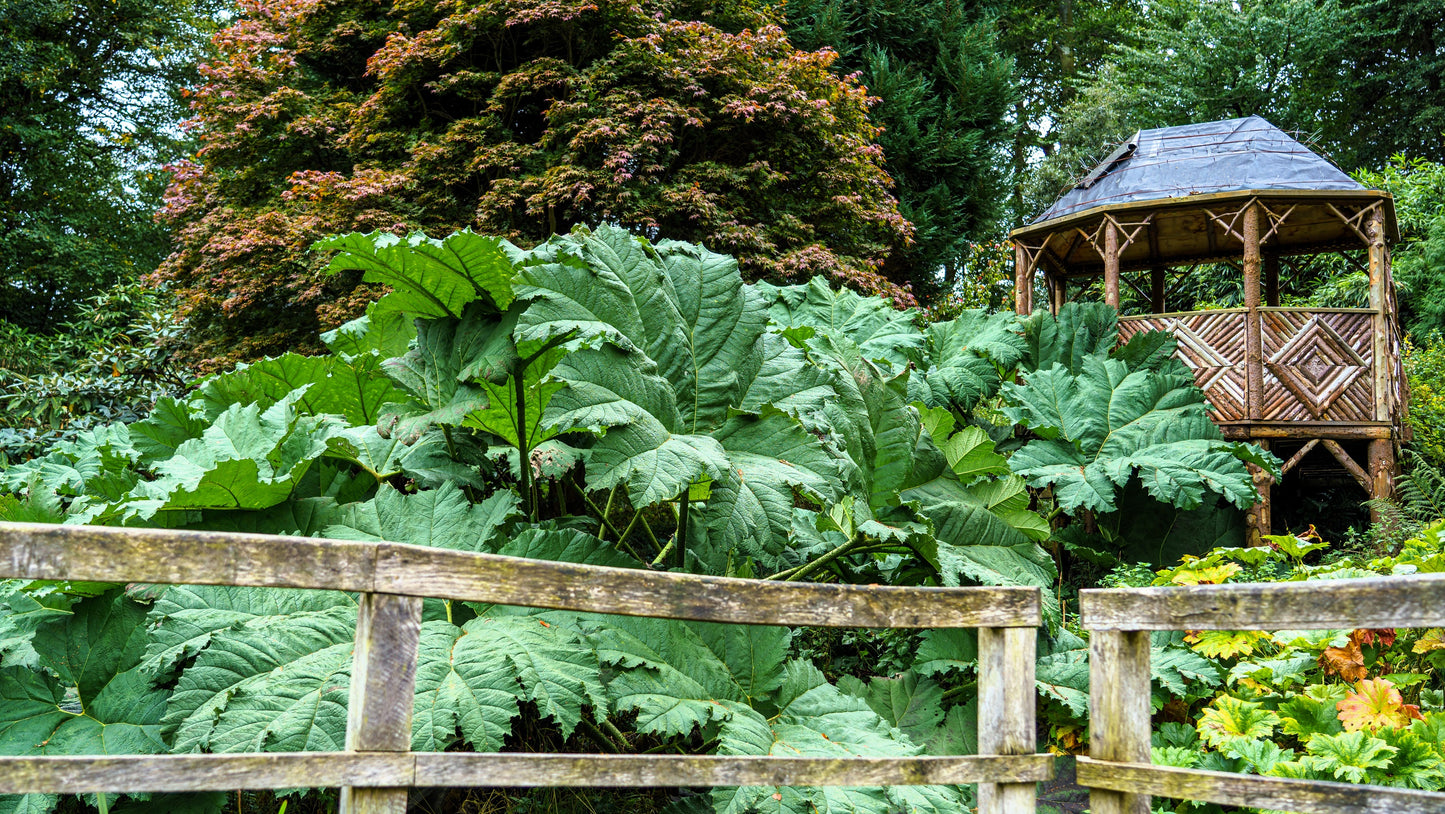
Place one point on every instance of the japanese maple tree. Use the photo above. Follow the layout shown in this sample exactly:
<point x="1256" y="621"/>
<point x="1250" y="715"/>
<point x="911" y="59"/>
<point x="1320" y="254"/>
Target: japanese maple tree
<point x="514" y="117"/>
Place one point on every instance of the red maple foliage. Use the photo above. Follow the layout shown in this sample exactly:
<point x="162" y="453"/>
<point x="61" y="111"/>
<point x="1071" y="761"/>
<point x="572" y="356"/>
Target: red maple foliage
<point x="514" y="117"/>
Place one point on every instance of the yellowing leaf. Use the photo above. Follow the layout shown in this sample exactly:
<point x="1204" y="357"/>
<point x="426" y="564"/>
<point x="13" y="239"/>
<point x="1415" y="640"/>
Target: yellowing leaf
<point x="1375" y="704"/>
<point x="1225" y="644"/>
<point x="1434" y="639"/>
<point x="1213" y="575"/>
<point x="1229" y="718"/>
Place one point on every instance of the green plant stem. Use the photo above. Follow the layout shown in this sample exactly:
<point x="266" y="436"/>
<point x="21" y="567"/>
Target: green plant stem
<point x="598" y="735"/>
<point x="601" y="515"/>
<point x="807" y="568"/>
<point x="616" y="734"/>
<point x="956" y="692"/>
<point x="680" y="537"/>
<point x="607" y="524"/>
<point x="607" y="510"/>
<point x="524" y="462"/>
<point x="662" y="555"/>
<point x="647" y="527"/>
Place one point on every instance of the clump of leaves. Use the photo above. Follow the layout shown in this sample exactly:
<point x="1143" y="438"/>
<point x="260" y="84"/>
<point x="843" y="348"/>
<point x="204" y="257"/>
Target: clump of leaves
<point x="598" y="399"/>
<point x="1361" y="706"/>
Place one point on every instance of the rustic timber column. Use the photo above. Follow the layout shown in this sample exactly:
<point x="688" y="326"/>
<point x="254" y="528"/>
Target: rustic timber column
<point x="1118" y="711"/>
<point x="1006" y="711"/>
<point x="1259" y="519"/>
<point x="383" y="686"/>
<point x="1060" y="294"/>
<point x="1253" y="337"/>
<point x="1111" y="262"/>
<point x="1023" y="282"/>
<point x="1382" y="450"/>
<point x="1157" y="281"/>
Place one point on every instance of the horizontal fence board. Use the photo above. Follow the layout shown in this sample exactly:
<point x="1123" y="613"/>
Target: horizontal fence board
<point x="139" y="773"/>
<point x="1406" y="601"/>
<point x="402" y="569"/>
<point x="172" y="557"/>
<point x="34" y="551"/>
<point x="665" y="771"/>
<point x="1278" y="793"/>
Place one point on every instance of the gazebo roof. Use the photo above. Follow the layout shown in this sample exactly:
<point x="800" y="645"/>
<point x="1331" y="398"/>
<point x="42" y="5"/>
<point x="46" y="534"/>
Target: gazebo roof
<point x="1187" y="184"/>
<point x="1199" y="159"/>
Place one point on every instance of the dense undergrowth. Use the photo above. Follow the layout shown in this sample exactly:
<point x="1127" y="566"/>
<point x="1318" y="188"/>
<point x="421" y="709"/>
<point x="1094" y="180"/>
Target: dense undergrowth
<point x="602" y="399"/>
<point x="1360" y="706"/>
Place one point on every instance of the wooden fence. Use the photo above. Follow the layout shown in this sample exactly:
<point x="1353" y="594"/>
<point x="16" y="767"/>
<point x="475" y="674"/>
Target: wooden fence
<point x="1118" y="769"/>
<point x="376" y="769"/>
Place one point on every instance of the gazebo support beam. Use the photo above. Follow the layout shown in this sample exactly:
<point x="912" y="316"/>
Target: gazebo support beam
<point x="1025" y="261"/>
<point x="1111" y="263"/>
<point x="1254" y="361"/>
<point x="1381" y="454"/>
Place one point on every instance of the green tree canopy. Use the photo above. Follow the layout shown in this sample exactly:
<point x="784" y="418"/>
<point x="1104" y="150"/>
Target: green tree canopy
<point x="1360" y="80"/>
<point x="88" y="112"/>
<point x="696" y="121"/>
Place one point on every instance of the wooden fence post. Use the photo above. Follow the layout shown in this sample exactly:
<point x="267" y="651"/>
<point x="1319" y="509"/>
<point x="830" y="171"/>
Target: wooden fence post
<point x="1118" y="711"/>
<point x="1006" y="712"/>
<point x="383" y="687"/>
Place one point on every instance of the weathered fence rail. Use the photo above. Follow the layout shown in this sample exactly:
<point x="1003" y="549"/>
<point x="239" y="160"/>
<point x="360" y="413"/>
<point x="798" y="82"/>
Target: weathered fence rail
<point x="377" y="767"/>
<point x="1118" y="769"/>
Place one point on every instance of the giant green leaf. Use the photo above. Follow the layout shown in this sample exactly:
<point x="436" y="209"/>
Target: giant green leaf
<point x="431" y="374"/>
<point x="355" y="391"/>
<point x="271" y="683"/>
<point x="964" y="357"/>
<point x="248" y="459"/>
<point x="1106" y="425"/>
<point x="440" y="518"/>
<point x="880" y="331"/>
<point x="1079" y="331"/>
<point x="184" y="618"/>
<point x="89" y="698"/>
<point x="644" y="444"/>
<point x="770" y="458"/>
<point x="428" y="278"/>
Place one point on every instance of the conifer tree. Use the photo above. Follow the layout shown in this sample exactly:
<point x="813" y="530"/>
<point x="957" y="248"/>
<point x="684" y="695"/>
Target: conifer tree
<point x="944" y="91"/>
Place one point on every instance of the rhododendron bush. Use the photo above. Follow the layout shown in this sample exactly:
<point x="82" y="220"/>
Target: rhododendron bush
<point x="514" y="117"/>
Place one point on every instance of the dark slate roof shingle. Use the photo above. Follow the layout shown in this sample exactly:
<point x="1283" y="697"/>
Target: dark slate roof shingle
<point x="1195" y="159"/>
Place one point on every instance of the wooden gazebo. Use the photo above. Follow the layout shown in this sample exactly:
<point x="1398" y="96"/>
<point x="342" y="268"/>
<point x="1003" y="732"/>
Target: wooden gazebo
<point x="1242" y="197"/>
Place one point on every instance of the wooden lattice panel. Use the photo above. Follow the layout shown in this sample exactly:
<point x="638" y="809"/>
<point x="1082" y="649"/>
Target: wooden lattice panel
<point x="1317" y="366"/>
<point x="1316" y="363"/>
<point x="1212" y="344"/>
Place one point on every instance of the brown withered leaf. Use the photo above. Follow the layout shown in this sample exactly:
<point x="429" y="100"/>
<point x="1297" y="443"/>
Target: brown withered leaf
<point x="1347" y="662"/>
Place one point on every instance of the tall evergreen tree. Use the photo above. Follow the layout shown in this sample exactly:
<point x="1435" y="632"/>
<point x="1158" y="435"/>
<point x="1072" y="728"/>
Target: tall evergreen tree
<point x="945" y="90"/>
<point x="1055" y="44"/>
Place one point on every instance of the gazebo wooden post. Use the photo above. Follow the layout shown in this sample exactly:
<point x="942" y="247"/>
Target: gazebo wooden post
<point x="1254" y="358"/>
<point x="1060" y="293"/>
<point x="1023" y="282"/>
<point x="1382" y="450"/>
<point x="1157" y="281"/>
<point x="1111" y="262"/>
